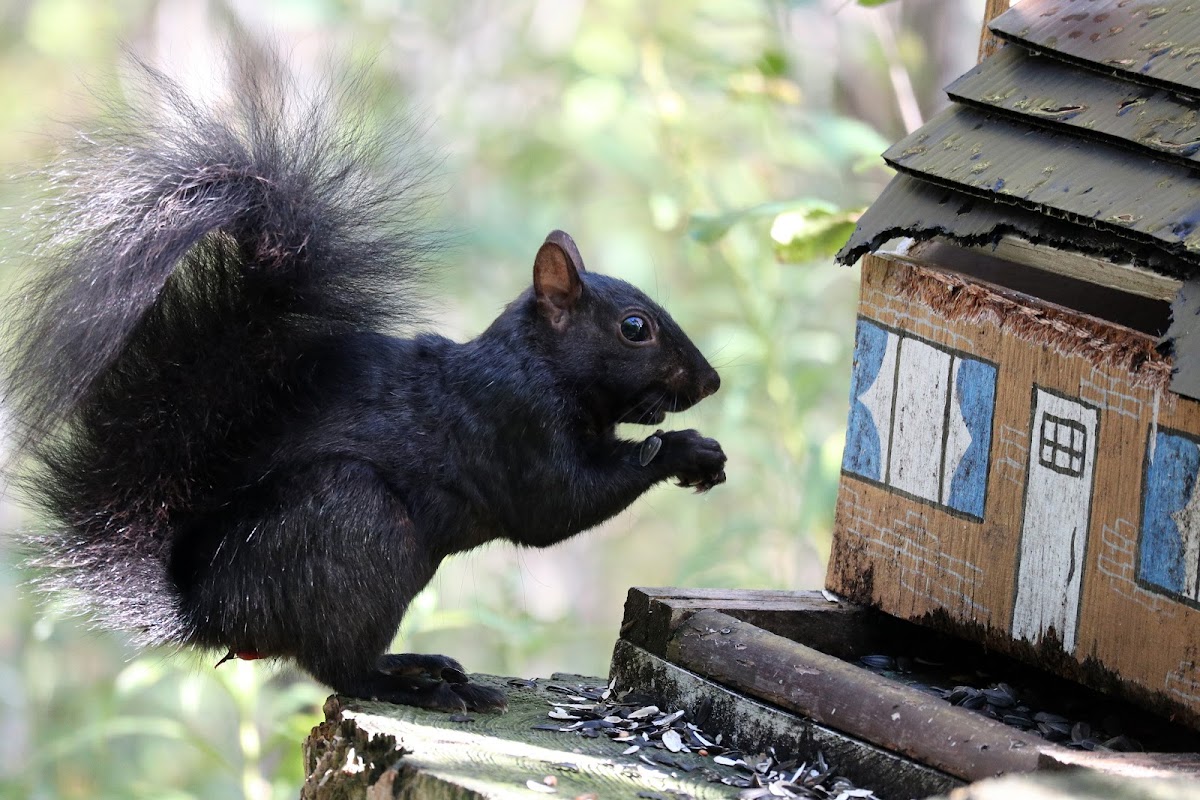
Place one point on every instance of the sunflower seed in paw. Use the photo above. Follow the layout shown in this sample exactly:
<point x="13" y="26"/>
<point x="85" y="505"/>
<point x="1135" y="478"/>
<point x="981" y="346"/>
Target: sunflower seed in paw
<point x="649" y="450"/>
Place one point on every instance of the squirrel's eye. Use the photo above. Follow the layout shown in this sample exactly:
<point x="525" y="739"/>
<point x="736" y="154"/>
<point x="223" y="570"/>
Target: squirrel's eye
<point x="635" y="329"/>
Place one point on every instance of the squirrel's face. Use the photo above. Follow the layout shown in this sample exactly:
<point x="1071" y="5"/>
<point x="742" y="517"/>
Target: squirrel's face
<point x="628" y="359"/>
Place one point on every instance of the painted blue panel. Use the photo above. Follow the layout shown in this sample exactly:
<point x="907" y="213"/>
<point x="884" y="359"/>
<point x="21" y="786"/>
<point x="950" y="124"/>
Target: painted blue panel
<point x="863" y="452"/>
<point x="1170" y="477"/>
<point x="976" y="390"/>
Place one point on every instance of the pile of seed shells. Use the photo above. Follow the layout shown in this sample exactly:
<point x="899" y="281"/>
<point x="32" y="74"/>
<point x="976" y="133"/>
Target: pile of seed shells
<point x="656" y="737"/>
<point x="1000" y="701"/>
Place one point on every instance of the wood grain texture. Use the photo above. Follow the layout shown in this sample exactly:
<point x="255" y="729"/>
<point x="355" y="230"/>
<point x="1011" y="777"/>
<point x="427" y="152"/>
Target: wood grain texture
<point x="381" y="751"/>
<point x="1077" y="785"/>
<point x="845" y="629"/>
<point x="1080" y="266"/>
<point x="753" y="726"/>
<point x="988" y="41"/>
<point x="1129" y="765"/>
<point x="840" y="695"/>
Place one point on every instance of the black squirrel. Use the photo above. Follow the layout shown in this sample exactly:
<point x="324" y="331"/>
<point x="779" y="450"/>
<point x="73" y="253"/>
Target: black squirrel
<point x="234" y="451"/>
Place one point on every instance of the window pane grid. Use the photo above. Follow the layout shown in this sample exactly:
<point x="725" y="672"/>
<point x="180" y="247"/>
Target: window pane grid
<point x="1063" y="445"/>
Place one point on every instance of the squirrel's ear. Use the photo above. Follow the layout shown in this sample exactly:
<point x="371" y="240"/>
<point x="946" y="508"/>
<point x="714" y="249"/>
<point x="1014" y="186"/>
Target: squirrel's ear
<point x="556" y="281"/>
<point x="564" y="241"/>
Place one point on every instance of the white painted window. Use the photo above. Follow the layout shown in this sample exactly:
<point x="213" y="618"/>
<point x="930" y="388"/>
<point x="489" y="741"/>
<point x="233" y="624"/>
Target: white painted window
<point x="920" y="419"/>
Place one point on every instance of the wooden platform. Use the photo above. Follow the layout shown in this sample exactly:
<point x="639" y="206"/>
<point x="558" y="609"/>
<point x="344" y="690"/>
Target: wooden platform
<point x="768" y="672"/>
<point x="795" y="652"/>
<point x="378" y="750"/>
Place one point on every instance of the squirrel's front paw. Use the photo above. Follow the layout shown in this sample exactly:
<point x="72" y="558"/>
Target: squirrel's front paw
<point x="696" y="460"/>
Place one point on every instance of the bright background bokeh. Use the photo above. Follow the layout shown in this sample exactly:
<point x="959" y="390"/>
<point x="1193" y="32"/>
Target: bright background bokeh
<point x="713" y="152"/>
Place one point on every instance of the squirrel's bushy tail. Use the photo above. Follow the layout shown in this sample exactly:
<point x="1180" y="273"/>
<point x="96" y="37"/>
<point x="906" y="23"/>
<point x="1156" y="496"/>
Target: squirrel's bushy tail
<point x="191" y="257"/>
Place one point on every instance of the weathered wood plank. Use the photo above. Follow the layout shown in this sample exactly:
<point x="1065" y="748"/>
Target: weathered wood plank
<point x="912" y="208"/>
<point x="843" y="628"/>
<point x="1107" y="187"/>
<point x="988" y="41"/>
<point x="753" y="726"/>
<point x="1123" y="277"/>
<point x="1078" y="785"/>
<point x="1134" y="765"/>
<point x="838" y="694"/>
<point x="378" y="751"/>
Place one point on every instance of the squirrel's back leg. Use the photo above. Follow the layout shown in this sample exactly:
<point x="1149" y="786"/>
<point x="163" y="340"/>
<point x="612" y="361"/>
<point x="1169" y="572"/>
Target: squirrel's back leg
<point x="319" y="566"/>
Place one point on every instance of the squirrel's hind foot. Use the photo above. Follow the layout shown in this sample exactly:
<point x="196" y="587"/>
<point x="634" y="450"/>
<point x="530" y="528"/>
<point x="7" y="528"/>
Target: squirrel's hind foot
<point x="435" y="682"/>
<point x="420" y="665"/>
<point x="480" y="698"/>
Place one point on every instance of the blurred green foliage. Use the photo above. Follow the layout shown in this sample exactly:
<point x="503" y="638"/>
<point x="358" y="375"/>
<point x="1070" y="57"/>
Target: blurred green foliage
<point x="714" y="152"/>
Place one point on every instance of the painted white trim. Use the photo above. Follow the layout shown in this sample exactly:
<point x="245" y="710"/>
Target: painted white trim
<point x="918" y="427"/>
<point x="958" y="435"/>
<point x="1054" y="532"/>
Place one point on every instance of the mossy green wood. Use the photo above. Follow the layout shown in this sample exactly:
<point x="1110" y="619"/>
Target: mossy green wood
<point x="402" y="752"/>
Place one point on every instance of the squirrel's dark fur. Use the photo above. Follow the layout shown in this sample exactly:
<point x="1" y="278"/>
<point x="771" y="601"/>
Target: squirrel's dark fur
<point x="234" y="450"/>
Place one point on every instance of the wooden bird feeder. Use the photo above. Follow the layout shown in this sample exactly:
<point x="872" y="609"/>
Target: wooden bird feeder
<point x="1024" y="435"/>
<point x="1021" y="478"/>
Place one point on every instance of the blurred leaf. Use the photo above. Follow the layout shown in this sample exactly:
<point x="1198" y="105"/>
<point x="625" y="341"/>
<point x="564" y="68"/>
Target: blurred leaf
<point x="773" y="64"/>
<point x="711" y="228"/>
<point x="802" y="230"/>
<point x="842" y="139"/>
<point x="812" y="233"/>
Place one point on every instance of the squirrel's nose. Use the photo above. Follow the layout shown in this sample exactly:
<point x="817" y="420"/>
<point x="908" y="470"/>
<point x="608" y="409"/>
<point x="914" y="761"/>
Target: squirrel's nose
<point x="709" y="383"/>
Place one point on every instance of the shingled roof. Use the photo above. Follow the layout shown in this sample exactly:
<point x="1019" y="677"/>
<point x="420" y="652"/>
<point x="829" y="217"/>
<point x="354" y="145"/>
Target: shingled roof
<point x="1081" y="132"/>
